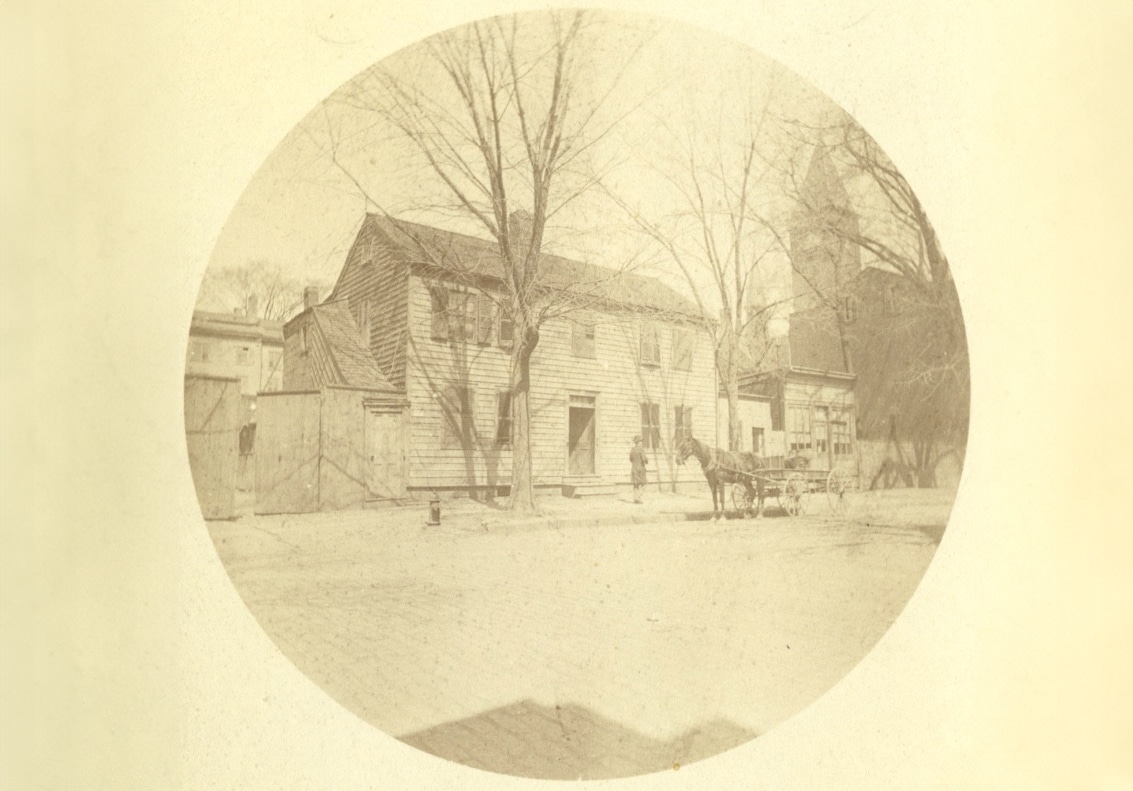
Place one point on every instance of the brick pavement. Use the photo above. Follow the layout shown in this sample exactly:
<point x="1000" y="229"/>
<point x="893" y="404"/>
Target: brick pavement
<point x="581" y="643"/>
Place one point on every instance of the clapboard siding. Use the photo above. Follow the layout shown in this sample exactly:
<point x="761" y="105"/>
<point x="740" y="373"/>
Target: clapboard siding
<point x="613" y="377"/>
<point x="372" y="275"/>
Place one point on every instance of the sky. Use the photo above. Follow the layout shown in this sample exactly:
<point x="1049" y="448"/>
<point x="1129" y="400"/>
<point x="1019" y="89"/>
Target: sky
<point x="663" y="90"/>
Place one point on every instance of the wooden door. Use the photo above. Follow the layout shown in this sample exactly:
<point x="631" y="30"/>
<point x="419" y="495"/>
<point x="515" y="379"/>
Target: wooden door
<point x="580" y="439"/>
<point x="385" y="455"/>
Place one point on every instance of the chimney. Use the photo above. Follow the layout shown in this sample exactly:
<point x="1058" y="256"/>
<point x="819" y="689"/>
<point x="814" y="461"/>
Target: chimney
<point x="251" y="307"/>
<point x="310" y="297"/>
<point x="520" y="228"/>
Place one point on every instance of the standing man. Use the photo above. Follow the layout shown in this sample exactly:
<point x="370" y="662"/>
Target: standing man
<point x="637" y="463"/>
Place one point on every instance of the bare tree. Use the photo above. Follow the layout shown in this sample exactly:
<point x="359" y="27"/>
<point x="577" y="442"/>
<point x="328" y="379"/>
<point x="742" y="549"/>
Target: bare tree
<point x="500" y="121"/>
<point x="260" y="288"/>
<point x="718" y="240"/>
<point x="924" y="388"/>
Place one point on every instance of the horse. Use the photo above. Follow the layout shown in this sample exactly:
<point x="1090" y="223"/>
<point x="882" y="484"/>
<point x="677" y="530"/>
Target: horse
<point x="723" y="467"/>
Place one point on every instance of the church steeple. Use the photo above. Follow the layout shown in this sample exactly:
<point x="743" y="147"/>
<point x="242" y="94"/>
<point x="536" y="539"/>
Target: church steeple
<point x="824" y="256"/>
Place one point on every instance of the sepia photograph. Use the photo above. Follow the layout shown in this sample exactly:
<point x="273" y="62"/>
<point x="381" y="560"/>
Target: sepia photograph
<point x="511" y="395"/>
<point x="576" y="395"/>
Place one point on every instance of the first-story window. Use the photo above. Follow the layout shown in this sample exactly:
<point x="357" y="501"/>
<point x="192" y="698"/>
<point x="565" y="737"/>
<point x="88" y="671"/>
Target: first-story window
<point x="651" y="425"/>
<point x="841" y="433"/>
<point x="503" y="418"/>
<point x="798" y="429"/>
<point x="457" y="427"/>
<point x="821" y="430"/>
<point x="682" y="423"/>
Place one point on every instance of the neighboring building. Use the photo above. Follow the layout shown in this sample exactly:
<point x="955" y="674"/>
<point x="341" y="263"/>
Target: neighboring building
<point x="812" y="414"/>
<point x="335" y="437"/>
<point x="857" y="339"/>
<point x="756" y="425"/>
<point x="236" y="346"/>
<point x="633" y="357"/>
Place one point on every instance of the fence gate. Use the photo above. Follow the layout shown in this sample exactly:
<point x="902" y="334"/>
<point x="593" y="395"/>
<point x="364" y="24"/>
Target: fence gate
<point x="287" y="453"/>
<point x="213" y="416"/>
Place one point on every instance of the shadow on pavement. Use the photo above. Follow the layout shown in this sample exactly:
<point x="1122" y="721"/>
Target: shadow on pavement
<point x="568" y="742"/>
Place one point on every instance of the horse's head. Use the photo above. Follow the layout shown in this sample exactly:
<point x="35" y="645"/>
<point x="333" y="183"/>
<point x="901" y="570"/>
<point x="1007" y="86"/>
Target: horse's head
<point x="685" y="449"/>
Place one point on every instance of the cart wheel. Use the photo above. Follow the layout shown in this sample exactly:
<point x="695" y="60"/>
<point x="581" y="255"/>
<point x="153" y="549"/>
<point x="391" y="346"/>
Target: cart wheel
<point x="838" y="489"/>
<point x="739" y="497"/>
<point x="791" y="494"/>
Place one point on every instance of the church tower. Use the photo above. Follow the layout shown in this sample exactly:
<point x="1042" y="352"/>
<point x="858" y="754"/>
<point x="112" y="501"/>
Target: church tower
<point x="824" y="259"/>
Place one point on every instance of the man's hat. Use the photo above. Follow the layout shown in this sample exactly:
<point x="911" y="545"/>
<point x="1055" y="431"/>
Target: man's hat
<point x="637" y="438"/>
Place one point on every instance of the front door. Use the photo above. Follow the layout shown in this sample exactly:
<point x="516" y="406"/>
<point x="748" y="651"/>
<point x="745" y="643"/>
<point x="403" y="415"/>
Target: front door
<point x="384" y="455"/>
<point x="580" y="436"/>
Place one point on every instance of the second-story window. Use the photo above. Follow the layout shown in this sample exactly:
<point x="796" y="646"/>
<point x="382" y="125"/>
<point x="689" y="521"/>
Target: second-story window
<point x="461" y="316"/>
<point x="650" y="353"/>
<point x="438" y="314"/>
<point x="243" y="355"/>
<point x="582" y="339"/>
<point x="199" y="351"/>
<point x="485" y="318"/>
<point x="506" y="331"/>
<point x="682" y="350"/>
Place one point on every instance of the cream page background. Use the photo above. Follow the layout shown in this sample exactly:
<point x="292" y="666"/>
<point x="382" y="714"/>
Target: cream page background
<point x="131" y="128"/>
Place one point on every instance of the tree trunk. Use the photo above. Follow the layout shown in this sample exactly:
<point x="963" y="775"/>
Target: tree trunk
<point x="926" y="465"/>
<point x="522" y="484"/>
<point x="727" y="363"/>
<point x="732" y="389"/>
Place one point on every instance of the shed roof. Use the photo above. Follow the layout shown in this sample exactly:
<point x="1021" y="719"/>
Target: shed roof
<point x="464" y="255"/>
<point x="350" y="358"/>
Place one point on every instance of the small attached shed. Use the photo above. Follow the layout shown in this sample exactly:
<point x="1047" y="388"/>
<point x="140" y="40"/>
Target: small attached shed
<point x="755" y="425"/>
<point x="335" y="438"/>
<point x="812" y="415"/>
<point x="214" y="414"/>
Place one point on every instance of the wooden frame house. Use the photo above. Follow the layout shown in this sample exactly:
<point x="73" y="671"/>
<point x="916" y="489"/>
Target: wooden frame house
<point x="631" y="357"/>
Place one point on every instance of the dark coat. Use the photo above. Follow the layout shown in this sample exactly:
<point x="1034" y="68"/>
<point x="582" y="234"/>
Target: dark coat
<point x="637" y="462"/>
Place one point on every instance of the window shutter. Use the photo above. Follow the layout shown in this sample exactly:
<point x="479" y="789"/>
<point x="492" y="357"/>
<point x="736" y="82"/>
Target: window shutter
<point x="506" y="331"/>
<point x="486" y="317"/>
<point x="438" y="300"/>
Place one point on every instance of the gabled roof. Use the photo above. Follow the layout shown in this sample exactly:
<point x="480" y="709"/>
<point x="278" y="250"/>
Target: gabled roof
<point x="430" y="248"/>
<point x="351" y="362"/>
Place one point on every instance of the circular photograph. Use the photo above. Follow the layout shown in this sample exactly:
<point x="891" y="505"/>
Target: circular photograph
<point x="573" y="395"/>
